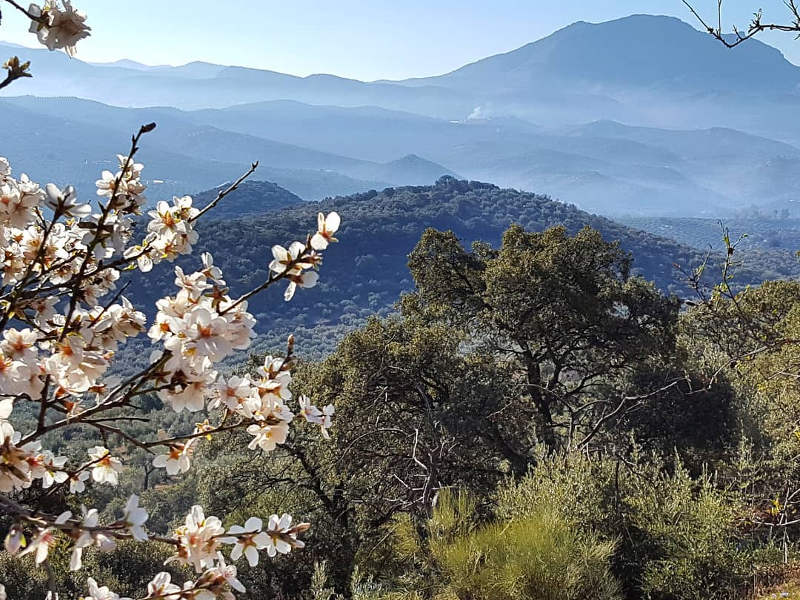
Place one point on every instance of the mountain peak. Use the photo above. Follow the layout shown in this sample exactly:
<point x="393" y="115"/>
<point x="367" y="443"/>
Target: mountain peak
<point x="648" y="51"/>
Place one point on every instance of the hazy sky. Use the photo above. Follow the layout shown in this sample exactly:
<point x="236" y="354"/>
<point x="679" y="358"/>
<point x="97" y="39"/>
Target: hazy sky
<point x="364" y="39"/>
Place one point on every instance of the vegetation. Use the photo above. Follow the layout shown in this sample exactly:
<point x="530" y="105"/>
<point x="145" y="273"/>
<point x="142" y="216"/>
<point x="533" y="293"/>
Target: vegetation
<point x="370" y="272"/>
<point x="531" y="402"/>
<point x="766" y="235"/>
<point x="533" y="422"/>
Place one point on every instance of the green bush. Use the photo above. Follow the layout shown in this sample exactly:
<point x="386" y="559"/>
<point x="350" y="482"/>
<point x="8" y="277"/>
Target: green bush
<point x="678" y="537"/>
<point x="542" y="556"/>
<point x="689" y="533"/>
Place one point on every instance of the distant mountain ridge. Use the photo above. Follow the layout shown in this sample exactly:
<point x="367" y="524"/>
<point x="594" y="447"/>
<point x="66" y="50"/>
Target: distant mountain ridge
<point x="631" y="69"/>
<point x="644" y="115"/>
<point x="183" y="155"/>
<point x="602" y="166"/>
<point x="641" y="50"/>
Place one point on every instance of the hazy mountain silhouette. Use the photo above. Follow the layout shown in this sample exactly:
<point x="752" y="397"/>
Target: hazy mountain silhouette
<point x="582" y="72"/>
<point x="648" y="94"/>
<point x="637" y="51"/>
<point x="250" y="198"/>
<point x="182" y="155"/>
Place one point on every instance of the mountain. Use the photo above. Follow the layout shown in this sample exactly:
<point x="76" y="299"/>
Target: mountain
<point x="603" y="166"/>
<point x="365" y="132"/>
<point x="366" y="272"/>
<point x="412" y="169"/>
<point x="639" y="51"/>
<point x="314" y="185"/>
<point x="251" y="198"/>
<point x="181" y="156"/>
<point x="203" y="85"/>
<point x="632" y="111"/>
<point x="125" y="64"/>
<point x="642" y="69"/>
<point x="760" y="231"/>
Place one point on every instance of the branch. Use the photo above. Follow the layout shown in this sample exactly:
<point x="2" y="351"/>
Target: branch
<point x="755" y="27"/>
<point x="227" y="191"/>
<point x="40" y="19"/>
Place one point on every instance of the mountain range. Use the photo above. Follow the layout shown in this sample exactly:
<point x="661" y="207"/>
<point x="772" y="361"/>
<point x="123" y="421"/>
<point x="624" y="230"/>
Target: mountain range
<point x="643" y="116"/>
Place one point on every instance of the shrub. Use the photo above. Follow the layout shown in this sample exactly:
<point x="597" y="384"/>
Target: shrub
<point x="542" y="556"/>
<point x="678" y="537"/>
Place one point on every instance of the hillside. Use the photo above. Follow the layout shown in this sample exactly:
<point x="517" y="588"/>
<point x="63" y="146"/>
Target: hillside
<point x="762" y="232"/>
<point x="366" y="272"/>
<point x="251" y="198"/>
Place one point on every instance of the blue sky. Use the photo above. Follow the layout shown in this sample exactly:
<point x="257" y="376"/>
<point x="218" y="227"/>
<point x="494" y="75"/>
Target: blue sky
<point x="364" y="39"/>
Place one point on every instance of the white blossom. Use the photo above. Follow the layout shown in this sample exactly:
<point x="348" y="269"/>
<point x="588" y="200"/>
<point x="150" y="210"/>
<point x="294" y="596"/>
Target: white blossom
<point x="326" y="227"/>
<point x="282" y="536"/>
<point x="161" y="585"/>
<point x="248" y="540"/>
<point x="177" y="460"/>
<point x="106" y="468"/>
<point x="135" y="518"/>
<point x="100" y="593"/>
<point x="199" y="539"/>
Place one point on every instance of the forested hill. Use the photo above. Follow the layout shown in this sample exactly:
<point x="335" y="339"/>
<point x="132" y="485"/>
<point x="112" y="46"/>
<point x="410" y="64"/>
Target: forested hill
<point x="366" y="272"/>
<point x="251" y="198"/>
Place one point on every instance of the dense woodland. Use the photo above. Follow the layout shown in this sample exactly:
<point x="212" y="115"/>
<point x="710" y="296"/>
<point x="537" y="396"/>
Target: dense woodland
<point x="549" y="413"/>
<point x="368" y="274"/>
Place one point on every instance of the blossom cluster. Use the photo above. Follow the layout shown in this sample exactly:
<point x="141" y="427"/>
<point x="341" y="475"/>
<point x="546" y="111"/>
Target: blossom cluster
<point x="64" y="263"/>
<point x="198" y="543"/>
<point x="62" y="319"/>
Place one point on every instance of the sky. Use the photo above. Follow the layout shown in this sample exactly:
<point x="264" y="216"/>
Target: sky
<point x="362" y="39"/>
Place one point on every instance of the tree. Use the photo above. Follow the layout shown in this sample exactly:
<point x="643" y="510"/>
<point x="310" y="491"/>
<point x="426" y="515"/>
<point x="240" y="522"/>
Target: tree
<point x="561" y="310"/>
<point x="63" y="316"/>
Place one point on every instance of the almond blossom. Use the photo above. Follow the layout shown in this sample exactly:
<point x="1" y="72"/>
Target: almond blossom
<point x="176" y="461"/>
<point x="282" y="536"/>
<point x="100" y="593"/>
<point x="135" y="518"/>
<point x="106" y="468"/>
<point x="77" y="482"/>
<point x="199" y="539"/>
<point x="84" y="537"/>
<point x="64" y="320"/>
<point x="326" y="227"/>
<point x="248" y="540"/>
<point x="162" y="585"/>
<point x="267" y="436"/>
